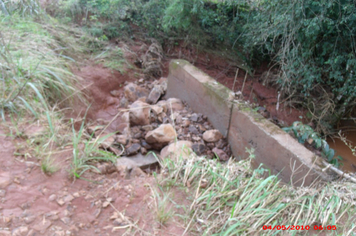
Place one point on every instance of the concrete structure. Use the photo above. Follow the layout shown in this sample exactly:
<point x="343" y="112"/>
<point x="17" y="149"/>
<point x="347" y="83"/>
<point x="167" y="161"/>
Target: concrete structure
<point x="276" y="149"/>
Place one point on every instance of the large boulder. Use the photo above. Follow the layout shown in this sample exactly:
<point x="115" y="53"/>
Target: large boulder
<point x="177" y="149"/>
<point x="212" y="135"/>
<point x="162" y="135"/>
<point x="140" y="113"/>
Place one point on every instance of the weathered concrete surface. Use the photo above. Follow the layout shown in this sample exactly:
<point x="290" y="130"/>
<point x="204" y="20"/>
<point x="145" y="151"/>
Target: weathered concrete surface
<point x="203" y="93"/>
<point x="277" y="150"/>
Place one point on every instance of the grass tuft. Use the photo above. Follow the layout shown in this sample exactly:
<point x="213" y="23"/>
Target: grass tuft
<point x="234" y="199"/>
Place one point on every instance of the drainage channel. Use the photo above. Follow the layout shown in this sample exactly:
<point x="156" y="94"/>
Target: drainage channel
<point x="245" y="128"/>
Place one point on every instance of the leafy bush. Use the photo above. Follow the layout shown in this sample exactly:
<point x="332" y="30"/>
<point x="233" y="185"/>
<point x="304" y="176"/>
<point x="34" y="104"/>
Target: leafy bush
<point x="304" y="133"/>
<point x="313" y="43"/>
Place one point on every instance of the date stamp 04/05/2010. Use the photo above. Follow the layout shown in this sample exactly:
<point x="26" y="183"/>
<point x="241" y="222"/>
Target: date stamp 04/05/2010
<point x="299" y="227"/>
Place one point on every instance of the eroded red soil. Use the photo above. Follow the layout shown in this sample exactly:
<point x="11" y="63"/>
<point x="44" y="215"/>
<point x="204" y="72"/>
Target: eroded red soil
<point x="33" y="203"/>
<point x="103" y="87"/>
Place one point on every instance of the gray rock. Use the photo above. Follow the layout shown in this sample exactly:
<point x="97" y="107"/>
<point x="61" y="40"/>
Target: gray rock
<point x="137" y="135"/>
<point x="124" y="102"/>
<point x="199" y="148"/>
<point x="193" y="130"/>
<point x="68" y="198"/>
<point x="194" y="117"/>
<point x="133" y="92"/>
<point x="133" y="149"/>
<point x="115" y="93"/>
<point x="145" y="144"/>
<point x="139" y="160"/>
<point x="154" y="95"/>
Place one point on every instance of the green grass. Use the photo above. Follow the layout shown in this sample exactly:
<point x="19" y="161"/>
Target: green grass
<point x="86" y="152"/>
<point x="113" y="58"/>
<point x="48" y="166"/>
<point x="35" y="74"/>
<point x="36" y="57"/>
<point x="163" y="211"/>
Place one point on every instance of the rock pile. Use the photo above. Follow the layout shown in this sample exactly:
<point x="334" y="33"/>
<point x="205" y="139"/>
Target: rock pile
<point x="164" y="126"/>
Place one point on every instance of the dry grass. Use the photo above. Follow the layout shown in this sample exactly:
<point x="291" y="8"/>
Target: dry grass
<point x="233" y="199"/>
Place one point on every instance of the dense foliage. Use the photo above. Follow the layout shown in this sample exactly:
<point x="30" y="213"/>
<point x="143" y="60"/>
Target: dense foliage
<point x="311" y="42"/>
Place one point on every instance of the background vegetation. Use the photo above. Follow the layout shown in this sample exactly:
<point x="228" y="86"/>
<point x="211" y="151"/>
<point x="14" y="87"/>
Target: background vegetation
<point x="311" y="42"/>
<point x="37" y="86"/>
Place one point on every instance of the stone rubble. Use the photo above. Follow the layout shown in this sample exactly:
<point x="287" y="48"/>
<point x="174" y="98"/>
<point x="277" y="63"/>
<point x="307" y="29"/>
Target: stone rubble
<point x="153" y="123"/>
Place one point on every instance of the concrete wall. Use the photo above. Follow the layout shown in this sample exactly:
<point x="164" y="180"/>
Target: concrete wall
<point x="277" y="150"/>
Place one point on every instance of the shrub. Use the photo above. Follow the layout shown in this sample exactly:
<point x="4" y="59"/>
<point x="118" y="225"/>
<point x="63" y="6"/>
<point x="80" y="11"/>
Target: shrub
<point x="313" y="43"/>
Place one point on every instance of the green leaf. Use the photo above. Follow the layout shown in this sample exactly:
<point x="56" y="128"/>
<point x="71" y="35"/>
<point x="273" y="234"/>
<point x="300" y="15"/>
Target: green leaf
<point x="326" y="147"/>
<point x="28" y="106"/>
<point x="318" y="142"/>
<point x="330" y="154"/>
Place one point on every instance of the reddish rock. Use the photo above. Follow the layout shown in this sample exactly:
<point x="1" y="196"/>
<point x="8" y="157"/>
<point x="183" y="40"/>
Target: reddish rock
<point x="163" y="134"/>
<point x="221" y="154"/>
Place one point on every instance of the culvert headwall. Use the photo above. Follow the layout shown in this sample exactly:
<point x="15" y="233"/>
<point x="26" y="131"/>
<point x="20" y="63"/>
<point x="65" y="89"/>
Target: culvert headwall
<point x="245" y="128"/>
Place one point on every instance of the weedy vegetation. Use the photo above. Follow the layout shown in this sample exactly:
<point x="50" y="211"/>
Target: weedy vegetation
<point x="86" y="151"/>
<point x="37" y="84"/>
<point x="306" y="134"/>
<point x="234" y="199"/>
